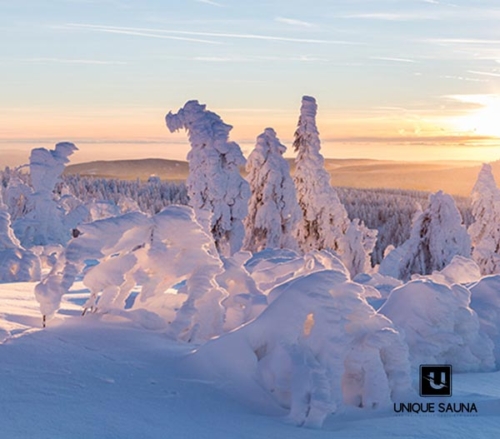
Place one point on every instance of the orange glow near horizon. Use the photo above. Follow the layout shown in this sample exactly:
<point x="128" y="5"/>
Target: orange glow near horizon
<point x="386" y="134"/>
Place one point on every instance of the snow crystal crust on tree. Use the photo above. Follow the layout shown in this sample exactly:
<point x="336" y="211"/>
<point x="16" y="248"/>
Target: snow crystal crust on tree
<point x="325" y="223"/>
<point x="437" y="236"/>
<point x="274" y="213"/>
<point x="485" y="231"/>
<point x="317" y="346"/>
<point x="214" y="182"/>
<point x="439" y="325"/>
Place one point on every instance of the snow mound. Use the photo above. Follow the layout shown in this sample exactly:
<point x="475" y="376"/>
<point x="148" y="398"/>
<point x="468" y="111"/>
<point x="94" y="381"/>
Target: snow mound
<point x="317" y="346"/>
<point x="439" y="326"/>
<point x="459" y="271"/>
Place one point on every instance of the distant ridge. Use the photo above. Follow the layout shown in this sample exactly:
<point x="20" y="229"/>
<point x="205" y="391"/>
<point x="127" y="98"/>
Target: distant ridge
<point x="454" y="176"/>
<point x="172" y="170"/>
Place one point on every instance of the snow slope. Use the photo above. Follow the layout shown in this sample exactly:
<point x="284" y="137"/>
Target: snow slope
<point x="90" y="377"/>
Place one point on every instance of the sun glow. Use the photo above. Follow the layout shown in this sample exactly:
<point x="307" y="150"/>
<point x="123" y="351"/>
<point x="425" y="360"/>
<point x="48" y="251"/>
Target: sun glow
<point x="483" y="121"/>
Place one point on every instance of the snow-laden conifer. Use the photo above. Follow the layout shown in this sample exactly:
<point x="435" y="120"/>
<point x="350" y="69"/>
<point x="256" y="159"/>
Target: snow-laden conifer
<point x="437" y="235"/>
<point x="45" y="222"/>
<point x="273" y="212"/>
<point x="214" y="183"/>
<point x="325" y="223"/>
<point x="485" y="231"/>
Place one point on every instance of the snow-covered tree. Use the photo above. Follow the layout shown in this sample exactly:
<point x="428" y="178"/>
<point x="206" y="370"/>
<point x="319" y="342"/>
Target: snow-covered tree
<point x="273" y="212"/>
<point x="317" y="347"/>
<point x="439" y="325"/>
<point x="325" y="223"/>
<point x="45" y="221"/>
<point x="485" y="231"/>
<point x="436" y="237"/>
<point x="214" y="182"/>
<point x="16" y="263"/>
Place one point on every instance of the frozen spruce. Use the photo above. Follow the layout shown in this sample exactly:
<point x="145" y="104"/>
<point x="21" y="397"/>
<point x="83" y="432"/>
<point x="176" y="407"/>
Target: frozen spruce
<point x="273" y="211"/>
<point x="214" y="182"/>
<point x="437" y="236"/>
<point x="485" y="231"/>
<point x="45" y="222"/>
<point x="325" y="224"/>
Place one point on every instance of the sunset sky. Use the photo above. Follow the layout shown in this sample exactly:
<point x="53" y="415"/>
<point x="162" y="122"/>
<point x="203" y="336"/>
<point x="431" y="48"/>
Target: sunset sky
<point x="394" y="79"/>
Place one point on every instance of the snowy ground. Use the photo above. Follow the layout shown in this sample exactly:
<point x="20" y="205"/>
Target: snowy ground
<point x="95" y="377"/>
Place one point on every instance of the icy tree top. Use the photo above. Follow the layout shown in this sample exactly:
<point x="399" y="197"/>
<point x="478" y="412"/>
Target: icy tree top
<point x="485" y="184"/>
<point x="307" y="135"/>
<point x="267" y="142"/>
<point x="46" y="166"/>
<point x="205" y="129"/>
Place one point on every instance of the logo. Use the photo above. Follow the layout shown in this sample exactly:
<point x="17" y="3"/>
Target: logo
<point x="435" y="380"/>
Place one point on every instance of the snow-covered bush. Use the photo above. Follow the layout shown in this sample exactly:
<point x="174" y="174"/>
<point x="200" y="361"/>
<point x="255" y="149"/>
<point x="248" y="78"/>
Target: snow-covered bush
<point x="317" y="346"/>
<point x="439" y="325"/>
<point x="485" y="300"/>
<point x="485" y="231"/>
<point x="325" y="224"/>
<point x="137" y="250"/>
<point x="436" y="237"/>
<point x="273" y="212"/>
<point x="16" y="263"/>
<point x="45" y="222"/>
<point x="214" y="182"/>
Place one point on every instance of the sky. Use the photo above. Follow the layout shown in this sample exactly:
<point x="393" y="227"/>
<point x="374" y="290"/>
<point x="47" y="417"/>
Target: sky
<point x="394" y="79"/>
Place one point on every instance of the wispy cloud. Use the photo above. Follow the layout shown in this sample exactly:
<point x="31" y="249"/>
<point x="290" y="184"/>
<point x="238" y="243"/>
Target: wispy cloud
<point x="140" y="33"/>
<point x="293" y="22"/>
<point x="391" y="16"/>
<point x="211" y="2"/>
<point x="467" y="41"/>
<point x="394" y="59"/>
<point x="463" y="78"/>
<point x="70" y="61"/>
<point x="475" y="72"/>
<point x="159" y="33"/>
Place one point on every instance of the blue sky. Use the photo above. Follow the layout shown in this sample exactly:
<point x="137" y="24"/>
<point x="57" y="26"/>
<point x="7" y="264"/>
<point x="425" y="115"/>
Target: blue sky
<point x="387" y="74"/>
